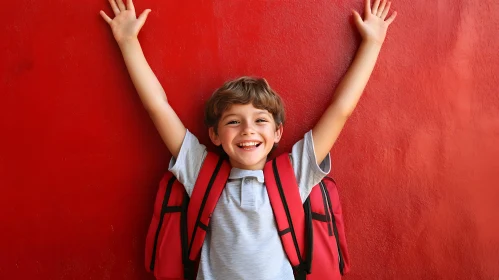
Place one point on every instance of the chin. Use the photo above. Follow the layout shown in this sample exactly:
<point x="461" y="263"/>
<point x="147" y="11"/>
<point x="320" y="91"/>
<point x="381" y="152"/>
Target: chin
<point x="248" y="164"/>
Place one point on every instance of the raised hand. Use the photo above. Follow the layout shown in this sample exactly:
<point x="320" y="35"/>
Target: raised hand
<point x="125" y="24"/>
<point x="373" y="27"/>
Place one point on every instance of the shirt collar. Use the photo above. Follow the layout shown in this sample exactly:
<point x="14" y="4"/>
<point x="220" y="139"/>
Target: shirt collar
<point x="236" y="173"/>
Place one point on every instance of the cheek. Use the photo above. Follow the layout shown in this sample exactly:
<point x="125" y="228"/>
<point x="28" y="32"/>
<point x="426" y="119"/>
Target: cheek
<point x="226" y="136"/>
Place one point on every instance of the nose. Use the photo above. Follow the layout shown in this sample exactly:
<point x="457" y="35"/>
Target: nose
<point x="247" y="129"/>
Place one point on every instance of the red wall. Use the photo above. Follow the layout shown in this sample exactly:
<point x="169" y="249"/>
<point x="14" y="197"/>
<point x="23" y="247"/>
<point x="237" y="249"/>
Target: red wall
<point x="417" y="162"/>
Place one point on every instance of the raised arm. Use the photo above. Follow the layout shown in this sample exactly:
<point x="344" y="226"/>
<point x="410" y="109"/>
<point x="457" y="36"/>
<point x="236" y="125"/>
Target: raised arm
<point x="373" y="31"/>
<point x="126" y="26"/>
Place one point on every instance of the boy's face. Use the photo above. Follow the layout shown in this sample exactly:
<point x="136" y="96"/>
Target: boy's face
<point x="247" y="135"/>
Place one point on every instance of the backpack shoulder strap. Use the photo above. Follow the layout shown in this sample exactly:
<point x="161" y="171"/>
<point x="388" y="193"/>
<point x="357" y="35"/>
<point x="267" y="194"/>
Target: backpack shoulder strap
<point x="287" y="206"/>
<point x="207" y="190"/>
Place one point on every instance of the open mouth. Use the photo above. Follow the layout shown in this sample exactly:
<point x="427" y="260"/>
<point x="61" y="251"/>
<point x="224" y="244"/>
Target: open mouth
<point x="249" y="145"/>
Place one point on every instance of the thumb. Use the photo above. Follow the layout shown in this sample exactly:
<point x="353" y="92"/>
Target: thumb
<point x="358" y="19"/>
<point x="142" y="18"/>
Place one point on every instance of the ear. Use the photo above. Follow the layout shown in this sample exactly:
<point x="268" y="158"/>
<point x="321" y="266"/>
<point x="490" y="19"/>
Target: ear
<point x="214" y="137"/>
<point x="278" y="133"/>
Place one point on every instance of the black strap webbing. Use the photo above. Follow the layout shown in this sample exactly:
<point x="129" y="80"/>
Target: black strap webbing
<point x="189" y="270"/>
<point x="183" y="231"/>
<point x="309" y="242"/>
<point x="300" y="273"/>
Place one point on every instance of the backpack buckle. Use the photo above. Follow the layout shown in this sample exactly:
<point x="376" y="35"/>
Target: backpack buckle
<point x="189" y="273"/>
<point x="300" y="272"/>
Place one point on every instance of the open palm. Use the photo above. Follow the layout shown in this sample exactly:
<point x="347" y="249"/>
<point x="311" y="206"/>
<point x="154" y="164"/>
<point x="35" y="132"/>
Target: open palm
<point x="125" y="24"/>
<point x="374" y="26"/>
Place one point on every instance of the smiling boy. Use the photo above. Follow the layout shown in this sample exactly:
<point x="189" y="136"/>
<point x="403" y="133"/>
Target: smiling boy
<point x="246" y="117"/>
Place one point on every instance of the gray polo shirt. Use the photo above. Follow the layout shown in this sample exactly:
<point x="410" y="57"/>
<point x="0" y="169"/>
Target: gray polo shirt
<point x="242" y="241"/>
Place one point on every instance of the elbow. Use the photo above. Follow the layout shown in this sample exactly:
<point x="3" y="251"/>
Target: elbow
<point x="156" y="105"/>
<point x="345" y="113"/>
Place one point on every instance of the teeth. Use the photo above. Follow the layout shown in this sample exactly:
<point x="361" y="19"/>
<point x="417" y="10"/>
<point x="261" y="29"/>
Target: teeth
<point x="248" y="144"/>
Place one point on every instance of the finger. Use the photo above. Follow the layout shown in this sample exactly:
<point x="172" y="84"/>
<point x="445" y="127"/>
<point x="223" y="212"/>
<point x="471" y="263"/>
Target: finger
<point x="381" y="8"/>
<point x="115" y="8"/>
<point x="386" y="10"/>
<point x="367" y="8"/>
<point x="391" y="18"/>
<point x="129" y="4"/>
<point x="121" y="5"/>
<point x="105" y="17"/>
<point x="374" y="9"/>
<point x="142" y="18"/>
<point x="357" y="18"/>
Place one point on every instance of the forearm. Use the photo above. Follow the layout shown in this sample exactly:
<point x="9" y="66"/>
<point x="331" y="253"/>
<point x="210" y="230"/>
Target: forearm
<point x="352" y="85"/>
<point x="126" y="26"/>
<point x="373" y="29"/>
<point x="345" y="98"/>
<point x="145" y="81"/>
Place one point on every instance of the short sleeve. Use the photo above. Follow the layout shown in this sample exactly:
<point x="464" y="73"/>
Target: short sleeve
<point x="188" y="162"/>
<point x="308" y="173"/>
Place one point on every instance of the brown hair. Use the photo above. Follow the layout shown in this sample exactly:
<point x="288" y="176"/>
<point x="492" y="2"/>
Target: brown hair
<point x="243" y="90"/>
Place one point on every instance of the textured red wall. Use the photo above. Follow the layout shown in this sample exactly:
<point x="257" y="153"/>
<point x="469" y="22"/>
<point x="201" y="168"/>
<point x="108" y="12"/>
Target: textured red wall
<point x="417" y="163"/>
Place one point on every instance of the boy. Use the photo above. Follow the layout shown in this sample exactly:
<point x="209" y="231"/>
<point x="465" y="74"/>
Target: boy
<point x="245" y="117"/>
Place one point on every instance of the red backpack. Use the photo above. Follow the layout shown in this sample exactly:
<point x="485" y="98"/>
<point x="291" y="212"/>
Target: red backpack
<point x="312" y="233"/>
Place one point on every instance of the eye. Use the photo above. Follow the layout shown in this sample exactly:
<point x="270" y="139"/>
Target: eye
<point x="233" y="122"/>
<point x="261" y="120"/>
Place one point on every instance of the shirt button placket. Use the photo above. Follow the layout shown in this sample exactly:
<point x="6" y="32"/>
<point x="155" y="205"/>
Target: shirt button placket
<point x="248" y="196"/>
